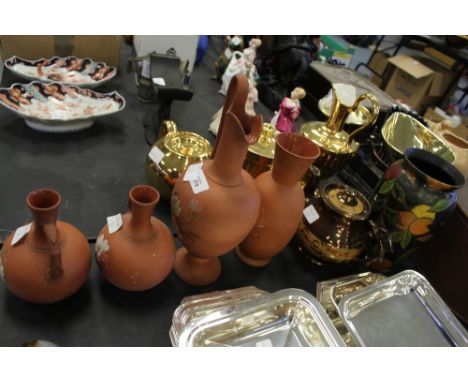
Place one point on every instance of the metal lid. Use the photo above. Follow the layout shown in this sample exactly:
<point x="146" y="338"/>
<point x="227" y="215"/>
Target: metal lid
<point x="187" y="144"/>
<point x="333" y="141"/>
<point x="265" y="145"/>
<point x="345" y="201"/>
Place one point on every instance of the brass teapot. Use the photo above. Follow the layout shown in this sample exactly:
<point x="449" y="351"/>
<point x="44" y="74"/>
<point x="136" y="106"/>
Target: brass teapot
<point x="337" y="146"/>
<point x="172" y="153"/>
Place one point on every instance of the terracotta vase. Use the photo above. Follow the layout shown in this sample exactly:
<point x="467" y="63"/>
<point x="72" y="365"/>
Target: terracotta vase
<point x="53" y="261"/>
<point x="141" y="253"/>
<point x="414" y="198"/>
<point x="215" y="221"/>
<point x="282" y="200"/>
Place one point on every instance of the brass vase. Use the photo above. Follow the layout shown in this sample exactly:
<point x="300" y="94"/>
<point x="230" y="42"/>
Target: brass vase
<point x="259" y="157"/>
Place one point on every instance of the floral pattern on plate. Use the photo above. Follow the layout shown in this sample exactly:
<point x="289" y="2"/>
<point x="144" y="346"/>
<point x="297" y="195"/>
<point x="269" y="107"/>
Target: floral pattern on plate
<point x="43" y="105"/>
<point x="69" y="70"/>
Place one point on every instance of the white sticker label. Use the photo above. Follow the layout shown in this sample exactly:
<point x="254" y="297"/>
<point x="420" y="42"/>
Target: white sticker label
<point x="114" y="223"/>
<point x="311" y="214"/>
<point x="228" y="53"/>
<point x="20" y="233"/>
<point x="145" y="69"/>
<point x="192" y="171"/>
<point x="156" y="155"/>
<point x="159" y="81"/>
<point x="199" y="182"/>
<point x="264" y="343"/>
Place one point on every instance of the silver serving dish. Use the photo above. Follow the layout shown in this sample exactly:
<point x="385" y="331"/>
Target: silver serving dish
<point x="330" y="292"/>
<point x="197" y="306"/>
<point x="290" y="317"/>
<point x="402" y="310"/>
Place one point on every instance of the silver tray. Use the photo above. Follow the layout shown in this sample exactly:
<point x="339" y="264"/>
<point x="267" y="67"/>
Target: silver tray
<point x="402" y="310"/>
<point x="330" y="292"/>
<point x="194" y="307"/>
<point x="290" y="317"/>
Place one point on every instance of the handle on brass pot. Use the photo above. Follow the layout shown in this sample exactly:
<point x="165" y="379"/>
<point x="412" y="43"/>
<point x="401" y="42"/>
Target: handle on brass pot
<point x="55" y="267"/>
<point x="373" y="114"/>
<point x="382" y="243"/>
<point x="167" y="126"/>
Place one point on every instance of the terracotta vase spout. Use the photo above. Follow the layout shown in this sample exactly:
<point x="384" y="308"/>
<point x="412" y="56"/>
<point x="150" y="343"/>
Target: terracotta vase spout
<point x="141" y="253"/>
<point x="282" y="200"/>
<point x="213" y="222"/>
<point x="54" y="259"/>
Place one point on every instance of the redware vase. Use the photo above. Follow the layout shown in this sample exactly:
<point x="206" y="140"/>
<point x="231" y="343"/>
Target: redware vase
<point x="282" y="200"/>
<point x="213" y="222"/>
<point x="141" y="253"/>
<point x="53" y="261"/>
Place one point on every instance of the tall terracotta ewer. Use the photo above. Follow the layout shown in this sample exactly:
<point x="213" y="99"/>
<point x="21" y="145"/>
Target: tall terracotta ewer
<point x="52" y="261"/>
<point x="216" y="206"/>
<point x="282" y="200"/>
<point x="140" y="254"/>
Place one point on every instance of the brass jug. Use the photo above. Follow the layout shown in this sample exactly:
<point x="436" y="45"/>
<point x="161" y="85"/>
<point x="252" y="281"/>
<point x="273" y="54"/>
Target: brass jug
<point x="260" y="155"/>
<point x="175" y="151"/>
<point x="337" y="146"/>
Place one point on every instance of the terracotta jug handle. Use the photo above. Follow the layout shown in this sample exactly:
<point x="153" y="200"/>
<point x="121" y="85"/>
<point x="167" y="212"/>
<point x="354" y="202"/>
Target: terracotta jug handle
<point x="373" y="114"/>
<point x="55" y="269"/>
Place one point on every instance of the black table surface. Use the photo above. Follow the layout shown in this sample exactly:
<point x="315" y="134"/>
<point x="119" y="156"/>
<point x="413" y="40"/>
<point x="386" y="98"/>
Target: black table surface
<point x="93" y="170"/>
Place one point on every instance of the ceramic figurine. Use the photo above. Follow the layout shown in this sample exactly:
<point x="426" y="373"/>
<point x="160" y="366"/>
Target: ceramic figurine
<point x="52" y="261"/>
<point x="237" y="65"/>
<point x="289" y="110"/>
<point x="282" y="200"/>
<point x="141" y="253"/>
<point x="415" y="196"/>
<point x="250" y="53"/>
<point x="216" y="206"/>
<point x="231" y="45"/>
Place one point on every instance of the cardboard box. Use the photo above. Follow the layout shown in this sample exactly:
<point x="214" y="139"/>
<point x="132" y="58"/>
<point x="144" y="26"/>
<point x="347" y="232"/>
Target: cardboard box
<point x="418" y="82"/>
<point x="378" y="63"/>
<point x="98" y="48"/>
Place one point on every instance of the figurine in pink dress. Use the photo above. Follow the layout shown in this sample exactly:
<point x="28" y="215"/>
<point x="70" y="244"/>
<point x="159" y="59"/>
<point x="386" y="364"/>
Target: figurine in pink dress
<point x="289" y="110"/>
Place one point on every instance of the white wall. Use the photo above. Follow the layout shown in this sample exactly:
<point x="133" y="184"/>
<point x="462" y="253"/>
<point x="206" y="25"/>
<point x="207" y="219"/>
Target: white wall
<point x="186" y="46"/>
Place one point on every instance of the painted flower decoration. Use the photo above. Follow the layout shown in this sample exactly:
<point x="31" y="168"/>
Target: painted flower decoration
<point x="2" y="274"/>
<point x="417" y="221"/>
<point x="102" y="245"/>
<point x="175" y="205"/>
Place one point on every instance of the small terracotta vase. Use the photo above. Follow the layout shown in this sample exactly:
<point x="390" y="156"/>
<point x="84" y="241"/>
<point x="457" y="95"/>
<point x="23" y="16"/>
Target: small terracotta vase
<point x="53" y="261"/>
<point x="141" y="253"/>
<point x="215" y="221"/>
<point x="282" y="200"/>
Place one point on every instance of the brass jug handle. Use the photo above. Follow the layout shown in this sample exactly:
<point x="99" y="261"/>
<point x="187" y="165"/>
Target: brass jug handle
<point x="374" y="113"/>
<point x="167" y="126"/>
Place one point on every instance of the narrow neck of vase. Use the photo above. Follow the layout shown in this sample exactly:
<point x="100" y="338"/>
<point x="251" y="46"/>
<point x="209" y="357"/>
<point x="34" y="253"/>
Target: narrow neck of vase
<point x="44" y="205"/>
<point x="294" y="154"/>
<point x="432" y="170"/>
<point x="142" y="201"/>
<point x="231" y="148"/>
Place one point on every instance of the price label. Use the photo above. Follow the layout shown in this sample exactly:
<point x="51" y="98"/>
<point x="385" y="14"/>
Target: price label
<point x="20" y="233"/>
<point x="159" y="81"/>
<point x="310" y="214"/>
<point x="114" y="223"/>
<point x="192" y="171"/>
<point x="156" y="155"/>
<point x="198" y="182"/>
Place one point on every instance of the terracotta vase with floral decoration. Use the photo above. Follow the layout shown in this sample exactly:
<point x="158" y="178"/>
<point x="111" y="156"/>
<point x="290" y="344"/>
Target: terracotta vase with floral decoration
<point x="282" y="200"/>
<point x="52" y="261"/>
<point x="213" y="220"/>
<point x="141" y="253"/>
<point x="415" y="196"/>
